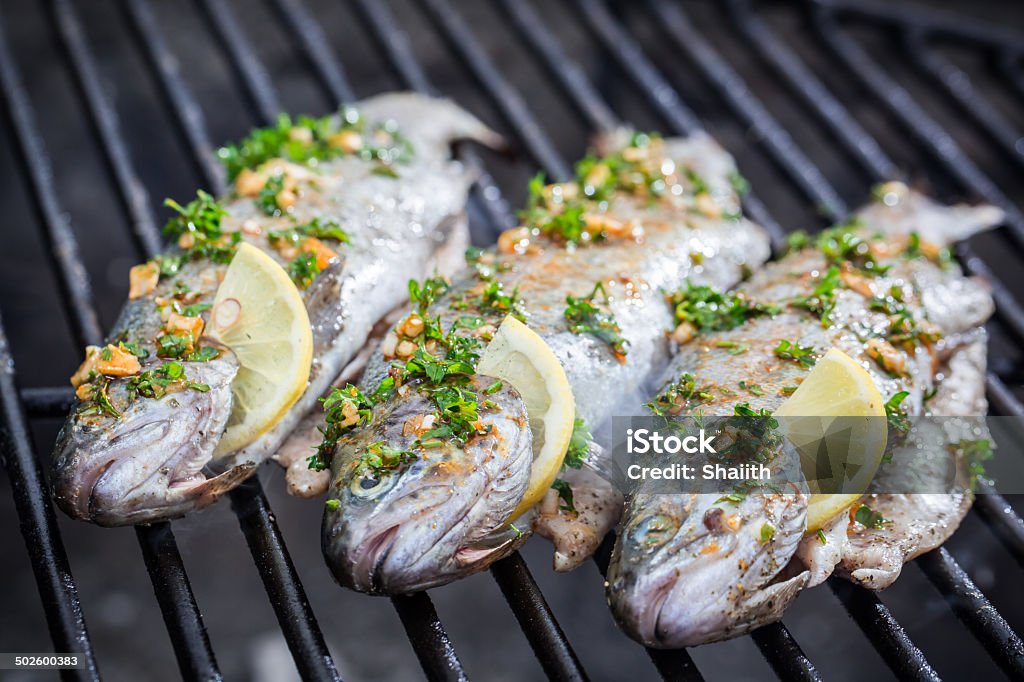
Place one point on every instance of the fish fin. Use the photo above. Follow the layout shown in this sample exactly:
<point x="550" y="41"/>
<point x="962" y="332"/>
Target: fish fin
<point x="429" y="121"/>
<point x="901" y="210"/>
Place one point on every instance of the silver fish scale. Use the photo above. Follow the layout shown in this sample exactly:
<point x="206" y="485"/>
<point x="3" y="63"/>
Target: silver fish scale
<point x="679" y="244"/>
<point x="413" y="223"/>
<point x="669" y="598"/>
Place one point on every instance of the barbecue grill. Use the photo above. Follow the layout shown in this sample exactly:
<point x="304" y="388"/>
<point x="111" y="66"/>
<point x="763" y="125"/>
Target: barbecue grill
<point x="870" y="91"/>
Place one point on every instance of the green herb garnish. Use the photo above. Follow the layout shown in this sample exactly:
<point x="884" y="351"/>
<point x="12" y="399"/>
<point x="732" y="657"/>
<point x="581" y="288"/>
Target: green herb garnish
<point x="709" y="309"/>
<point x="585" y="317"/>
<point x="869" y="518"/>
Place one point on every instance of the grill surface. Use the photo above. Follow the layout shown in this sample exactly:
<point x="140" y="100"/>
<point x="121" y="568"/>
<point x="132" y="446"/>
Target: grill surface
<point x="125" y="100"/>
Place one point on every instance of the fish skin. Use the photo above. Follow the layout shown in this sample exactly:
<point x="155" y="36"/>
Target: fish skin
<point x="635" y="276"/>
<point x="416" y="219"/>
<point x="689" y="613"/>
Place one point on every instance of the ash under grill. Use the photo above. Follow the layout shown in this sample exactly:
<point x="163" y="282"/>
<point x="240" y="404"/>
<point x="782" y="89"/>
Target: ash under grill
<point x="818" y="100"/>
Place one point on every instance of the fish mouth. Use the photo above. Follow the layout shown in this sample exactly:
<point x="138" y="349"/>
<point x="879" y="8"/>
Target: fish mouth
<point x="373" y="552"/>
<point x="650" y="620"/>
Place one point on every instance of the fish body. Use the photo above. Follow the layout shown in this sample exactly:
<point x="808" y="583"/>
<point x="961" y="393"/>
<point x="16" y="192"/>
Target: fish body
<point x="872" y="292"/>
<point x="656" y="245"/>
<point x="373" y="212"/>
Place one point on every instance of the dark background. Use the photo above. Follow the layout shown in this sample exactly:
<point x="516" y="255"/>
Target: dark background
<point x="364" y="633"/>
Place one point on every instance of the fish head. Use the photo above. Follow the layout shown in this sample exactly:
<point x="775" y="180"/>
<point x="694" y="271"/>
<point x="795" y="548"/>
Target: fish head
<point x="690" y="569"/>
<point x="147" y="464"/>
<point x="441" y="512"/>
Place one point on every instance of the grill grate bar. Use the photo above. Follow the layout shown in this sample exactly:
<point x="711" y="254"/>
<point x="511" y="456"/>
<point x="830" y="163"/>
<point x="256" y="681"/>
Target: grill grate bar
<point x="47" y="401"/>
<point x="566" y="72"/>
<point x="176" y="94"/>
<point x="57" y="589"/>
<point x="508" y="100"/>
<point x="244" y="60"/>
<point x="900" y="103"/>
<point x="974" y="610"/>
<point x="177" y="603"/>
<point x="955" y="26"/>
<point x="1005" y="522"/>
<point x="735" y="104"/>
<point x="886" y="634"/>
<point x="958" y="84"/>
<point x="307" y="33"/>
<point x="133" y="195"/>
<point x="662" y="96"/>
<point x="783" y="653"/>
<point x="30" y="152"/>
<point x="287" y="596"/>
<point x="730" y="86"/>
<point x="428" y="637"/>
<point x="163" y="565"/>
<point x="487" y="197"/>
<point x="544" y="634"/>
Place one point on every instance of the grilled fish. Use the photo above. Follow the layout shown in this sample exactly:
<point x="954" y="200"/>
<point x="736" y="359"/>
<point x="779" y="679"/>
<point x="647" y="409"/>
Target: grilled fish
<point x="880" y="289"/>
<point x="342" y="202"/>
<point x="428" y="461"/>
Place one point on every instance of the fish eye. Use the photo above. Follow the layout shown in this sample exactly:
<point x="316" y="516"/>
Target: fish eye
<point x="654" y="531"/>
<point x="370" y="484"/>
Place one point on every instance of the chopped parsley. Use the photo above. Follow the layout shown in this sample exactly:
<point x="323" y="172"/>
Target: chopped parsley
<point x="585" y="317"/>
<point x="733" y="347"/>
<point x="753" y="389"/>
<point x="767" y="533"/>
<point x="709" y="309"/>
<point x="424" y="295"/>
<point x="317" y="228"/>
<point x="565" y="494"/>
<point x="896" y="414"/>
<point x="975" y="454"/>
<point x="801" y="355"/>
<point x="495" y="299"/>
<point x="822" y="299"/>
<point x="309" y="140"/>
<point x="345" y="409"/>
<point x="381" y="458"/>
<point x="267" y="198"/>
<point x="303" y="269"/>
<point x="869" y="518"/>
<point x="201" y="220"/>
<point x="732" y="498"/>
<point x="579" y="445"/>
<point x="821" y="537"/>
<point x="679" y="396"/>
<point x="156" y="383"/>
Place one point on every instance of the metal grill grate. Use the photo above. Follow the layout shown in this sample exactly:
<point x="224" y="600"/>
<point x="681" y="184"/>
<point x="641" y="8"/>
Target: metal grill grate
<point x="614" y="29"/>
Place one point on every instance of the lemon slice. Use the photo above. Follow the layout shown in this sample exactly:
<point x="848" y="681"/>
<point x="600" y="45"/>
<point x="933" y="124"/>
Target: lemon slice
<point x="519" y="356"/>
<point x="836" y="421"/>
<point x="259" y="314"/>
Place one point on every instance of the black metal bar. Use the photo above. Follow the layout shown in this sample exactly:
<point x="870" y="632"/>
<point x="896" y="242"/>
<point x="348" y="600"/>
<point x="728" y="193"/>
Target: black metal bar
<point x="307" y="32"/>
<point x="913" y="116"/>
<point x="661" y="95"/>
<point x="287" y="596"/>
<point x="160" y="552"/>
<point x="38" y="524"/>
<point x="1001" y="518"/>
<point x="806" y="85"/>
<point x="395" y="45"/>
<point x="886" y="634"/>
<point x="958" y="84"/>
<point x="935" y="21"/>
<point x="546" y="638"/>
<point x="507" y="99"/>
<point x="243" y="59"/>
<point x="783" y="653"/>
<point x="48" y="401"/>
<point x="730" y="86"/>
<point x="854" y="138"/>
<point x="31" y="155"/>
<point x="974" y="610"/>
<point x="177" y="603"/>
<point x="266" y="544"/>
<point x="130" y="190"/>
<point x="428" y="638"/>
<point x="177" y="97"/>
<point x="566" y="72"/>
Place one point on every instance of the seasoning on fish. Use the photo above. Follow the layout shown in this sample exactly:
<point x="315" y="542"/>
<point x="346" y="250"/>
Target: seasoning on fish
<point x="870" y="279"/>
<point x="342" y="203"/>
<point x="644" y="218"/>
